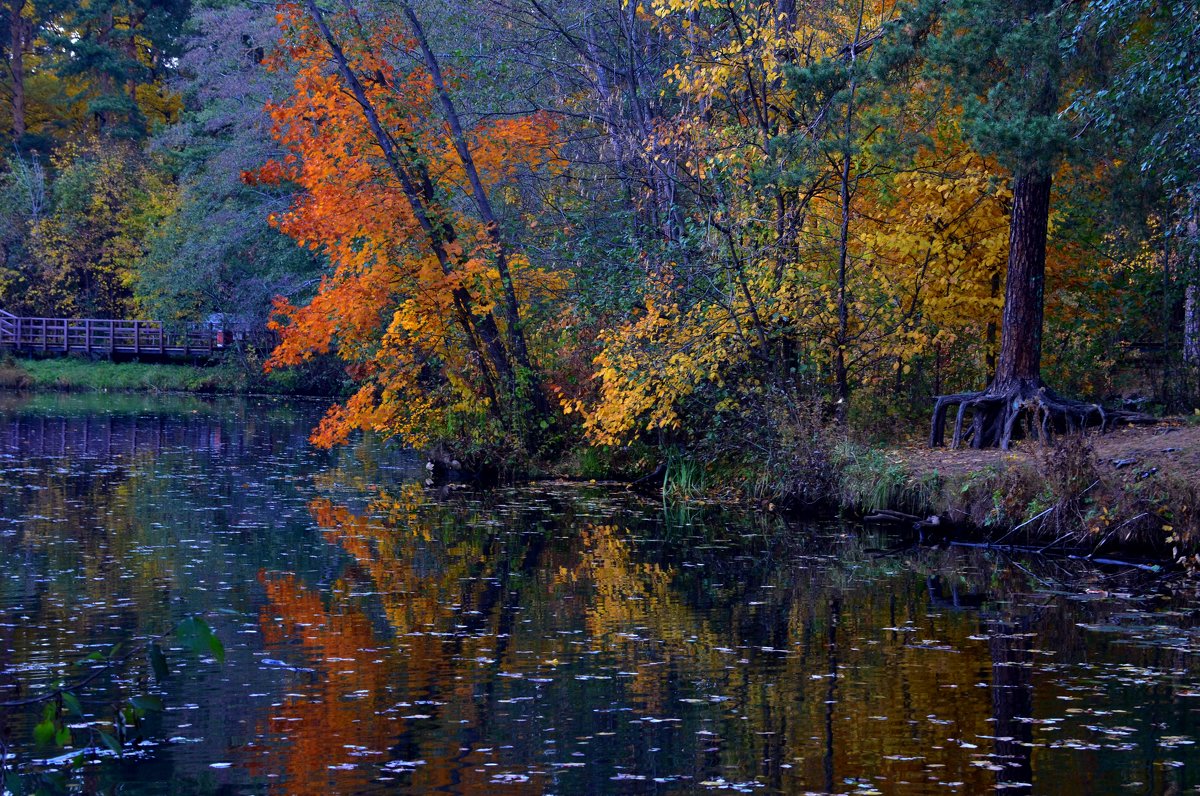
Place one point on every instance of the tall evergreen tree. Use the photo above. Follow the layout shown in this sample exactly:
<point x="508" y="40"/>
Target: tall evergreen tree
<point x="1011" y="65"/>
<point x="121" y="48"/>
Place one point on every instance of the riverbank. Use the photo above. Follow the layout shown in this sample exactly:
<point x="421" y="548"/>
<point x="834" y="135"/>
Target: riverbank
<point x="1135" y="490"/>
<point x="1132" y="493"/>
<point x="225" y="377"/>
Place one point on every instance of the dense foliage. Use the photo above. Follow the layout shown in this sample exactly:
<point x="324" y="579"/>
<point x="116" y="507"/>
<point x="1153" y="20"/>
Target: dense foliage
<point x="689" y="223"/>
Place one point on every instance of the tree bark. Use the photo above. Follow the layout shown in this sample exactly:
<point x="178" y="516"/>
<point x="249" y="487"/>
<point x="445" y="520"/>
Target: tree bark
<point x="19" y="32"/>
<point x="1017" y="392"/>
<point x="512" y="317"/>
<point x="989" y="357"/>
<point x="1191" y="310"/>
<point x="841" y="376"/>
<point x="477" y="330"/>
<point x="1020" y="360"/>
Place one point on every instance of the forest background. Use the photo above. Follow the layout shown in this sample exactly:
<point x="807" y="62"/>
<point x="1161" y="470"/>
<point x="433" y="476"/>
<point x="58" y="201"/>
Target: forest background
<point x="524" y="230"/>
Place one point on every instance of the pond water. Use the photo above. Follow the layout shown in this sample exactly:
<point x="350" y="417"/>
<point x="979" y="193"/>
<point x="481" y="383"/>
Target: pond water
<point x="546" y="638"/>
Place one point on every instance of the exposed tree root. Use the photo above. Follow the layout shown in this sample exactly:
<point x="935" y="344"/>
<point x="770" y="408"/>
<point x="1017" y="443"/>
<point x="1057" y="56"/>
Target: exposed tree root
<point x="1027" y="408"/>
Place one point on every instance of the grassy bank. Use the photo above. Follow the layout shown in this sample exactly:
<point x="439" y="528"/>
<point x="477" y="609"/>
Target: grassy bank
<point x="78" y="374"/>
<point x="1134" y="490"/>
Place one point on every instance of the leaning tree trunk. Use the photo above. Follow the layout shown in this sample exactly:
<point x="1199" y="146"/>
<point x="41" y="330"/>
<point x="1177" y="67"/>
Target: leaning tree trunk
<point x="1017" y="392"/>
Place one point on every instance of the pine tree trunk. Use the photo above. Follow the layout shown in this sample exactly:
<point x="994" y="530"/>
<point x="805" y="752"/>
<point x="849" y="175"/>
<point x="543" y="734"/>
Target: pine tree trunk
<point x="1020" y="360"/>
<point x="1017" y="393"/>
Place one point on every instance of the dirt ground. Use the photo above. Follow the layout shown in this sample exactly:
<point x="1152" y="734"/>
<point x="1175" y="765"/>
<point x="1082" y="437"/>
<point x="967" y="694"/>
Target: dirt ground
<point x="1172" y="446"/>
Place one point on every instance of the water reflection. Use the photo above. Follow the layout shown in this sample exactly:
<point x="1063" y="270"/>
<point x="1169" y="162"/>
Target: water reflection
<point x="556" y="639"/>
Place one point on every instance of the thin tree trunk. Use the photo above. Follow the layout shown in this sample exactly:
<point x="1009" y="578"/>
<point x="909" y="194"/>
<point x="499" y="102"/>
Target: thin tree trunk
<point x="485" y="328"/>
<point x="18" y="29"/>
<point x="610" y="103"/>
<point x="136" y="118"/>
<point x="1191" y="310"/>
<point x="1020" y="360"/>
<point x="107" y="84"/>
<point x="1191" y="326"/>
<point x="841" y="376"/>
<point x="516" y="334"/>
<point x="1167" y="309"/>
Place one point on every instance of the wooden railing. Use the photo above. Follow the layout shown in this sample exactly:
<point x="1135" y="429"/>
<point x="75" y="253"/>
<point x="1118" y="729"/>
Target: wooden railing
<point x="104" y="336"/>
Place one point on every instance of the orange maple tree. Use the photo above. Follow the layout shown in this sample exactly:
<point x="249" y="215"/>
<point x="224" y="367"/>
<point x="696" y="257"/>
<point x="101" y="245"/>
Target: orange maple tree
<point x="426" y="299"/>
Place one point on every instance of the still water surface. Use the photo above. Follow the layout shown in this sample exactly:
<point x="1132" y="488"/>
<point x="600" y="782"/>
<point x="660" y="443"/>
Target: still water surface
<point x="551" y="638"/>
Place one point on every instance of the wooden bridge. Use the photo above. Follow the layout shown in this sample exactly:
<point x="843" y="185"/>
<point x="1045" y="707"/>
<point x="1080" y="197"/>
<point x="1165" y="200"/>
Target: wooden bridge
<point x="105" y="337"/>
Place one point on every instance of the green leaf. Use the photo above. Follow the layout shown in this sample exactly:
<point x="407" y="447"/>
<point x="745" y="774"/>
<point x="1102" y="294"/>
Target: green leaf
<point x="147" y="702"/>
<point x="71" y="703"/>
<point x="216" y="648"/>
<point x="191" y="631"/>
<point x="195" y="634"/>
<point x="158" y="662"/>
<point x="109" y="741"/>
<point x="63" y="736"/>
<point x="44" y="732"/>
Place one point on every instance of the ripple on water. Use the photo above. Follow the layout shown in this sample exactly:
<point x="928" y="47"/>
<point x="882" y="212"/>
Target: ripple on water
<point x="552" y="638"/>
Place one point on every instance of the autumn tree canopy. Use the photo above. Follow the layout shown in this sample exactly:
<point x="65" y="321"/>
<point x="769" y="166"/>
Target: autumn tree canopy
<point x="700" y="226"/>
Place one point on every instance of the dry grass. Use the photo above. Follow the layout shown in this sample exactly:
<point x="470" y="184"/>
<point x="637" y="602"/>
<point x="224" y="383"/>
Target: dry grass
<point x="1136" y="487"/>
<point x="1173" y="447"/>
